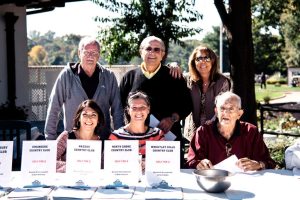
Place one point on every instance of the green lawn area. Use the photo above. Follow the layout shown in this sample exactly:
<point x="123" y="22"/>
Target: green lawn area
<point x="273" y="91"/>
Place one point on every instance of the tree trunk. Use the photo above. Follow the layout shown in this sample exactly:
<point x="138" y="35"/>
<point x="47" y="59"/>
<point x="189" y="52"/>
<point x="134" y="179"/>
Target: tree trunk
<point x="237" y="22"/>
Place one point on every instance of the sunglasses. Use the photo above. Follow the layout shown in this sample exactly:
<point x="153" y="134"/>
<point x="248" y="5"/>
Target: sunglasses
<point x="153" y="50"/>
<point x="203" y="58"/>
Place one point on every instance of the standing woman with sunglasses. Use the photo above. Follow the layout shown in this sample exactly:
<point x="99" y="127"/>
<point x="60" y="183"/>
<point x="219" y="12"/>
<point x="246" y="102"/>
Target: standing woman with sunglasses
<point x="205" y="83"/>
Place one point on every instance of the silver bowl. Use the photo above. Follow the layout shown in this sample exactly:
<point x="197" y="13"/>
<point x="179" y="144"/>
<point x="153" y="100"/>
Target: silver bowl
<point x="213" y="180"/>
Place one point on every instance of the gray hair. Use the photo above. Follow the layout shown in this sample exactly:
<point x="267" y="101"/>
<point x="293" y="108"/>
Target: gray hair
<point x="222" y="98"/>
<point x="86" y="41"/>
<point x="150" y="39"/>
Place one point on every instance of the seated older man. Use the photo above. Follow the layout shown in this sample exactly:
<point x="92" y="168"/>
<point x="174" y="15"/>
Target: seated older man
<point x="226" y="136"/>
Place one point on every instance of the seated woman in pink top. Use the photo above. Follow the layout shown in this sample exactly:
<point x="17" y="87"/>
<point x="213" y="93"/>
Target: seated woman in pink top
<point x="88" y="121"/>
<point x="227" y="136"/>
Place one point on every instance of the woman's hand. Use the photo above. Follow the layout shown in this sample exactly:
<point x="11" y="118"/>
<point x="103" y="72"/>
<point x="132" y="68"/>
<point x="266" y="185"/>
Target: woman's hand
<point x="247" y="164"/>
<point x="175" y="70"/>
<point x="204" y="164"/>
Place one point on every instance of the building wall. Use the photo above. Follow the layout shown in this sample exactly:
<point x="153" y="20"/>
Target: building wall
<point x="292" y="71"/>
<point x="20" y="55"/>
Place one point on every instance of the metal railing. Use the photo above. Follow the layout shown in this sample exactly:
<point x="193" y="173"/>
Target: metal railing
<point x="277" y="111"/>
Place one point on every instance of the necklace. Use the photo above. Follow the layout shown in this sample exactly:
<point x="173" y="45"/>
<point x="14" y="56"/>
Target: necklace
<point x="206" y="84"/>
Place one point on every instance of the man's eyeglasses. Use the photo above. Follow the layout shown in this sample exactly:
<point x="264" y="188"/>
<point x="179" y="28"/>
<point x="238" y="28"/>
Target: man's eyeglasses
<point x="153" y="50"/>
<point x="230" y="109"/>
<point x="228" y="149"/>
<point x="203" y="58"/>
<point x="90" y="53"/>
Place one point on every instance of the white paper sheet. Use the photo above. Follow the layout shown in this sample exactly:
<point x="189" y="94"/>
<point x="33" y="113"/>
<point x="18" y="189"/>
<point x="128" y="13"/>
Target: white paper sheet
<point x="121" y="162"/>
<point x="65" y="192"/>
<point x="39" y="162"/>
<point x="30" y="193"/>
<point x="83" y="161"/>
<point x="6" y="152"/>
<point x="4" y="191"/>
<point x="162" y="162"/>
<point x="159" y="193"/>
<point x="118" y="193"/>
<point x="229" y="164"/>
<point x="154" y="122"/>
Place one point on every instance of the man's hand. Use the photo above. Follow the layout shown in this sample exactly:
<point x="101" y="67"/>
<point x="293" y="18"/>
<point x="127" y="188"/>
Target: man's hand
<point x="204" y="164"/>
<point x="166" y="124"/>
<point x="249" y="165"/>
<point x="175" y="70"/>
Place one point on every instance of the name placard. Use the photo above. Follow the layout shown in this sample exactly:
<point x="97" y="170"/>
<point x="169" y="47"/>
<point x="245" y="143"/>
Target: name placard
<point x="83" y="159"/>
<point x="162" y="162"/>
<point x="121" y="161"/>
<point x="6" y="152"/>
<point x="39" y="162"/>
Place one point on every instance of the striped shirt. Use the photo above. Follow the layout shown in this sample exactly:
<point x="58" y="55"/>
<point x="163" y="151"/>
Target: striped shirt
<point x="152" y="134"/>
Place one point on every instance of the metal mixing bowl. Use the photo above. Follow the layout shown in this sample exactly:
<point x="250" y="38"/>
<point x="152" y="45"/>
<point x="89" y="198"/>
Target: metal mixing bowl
<point x="213" y="180"/>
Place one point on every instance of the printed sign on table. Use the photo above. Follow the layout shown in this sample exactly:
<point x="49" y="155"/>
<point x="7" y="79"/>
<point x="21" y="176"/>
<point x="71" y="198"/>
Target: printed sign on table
<point x="162" y="162"/>
<point x="121" y="162"/>
<point x="6" y="152"/>
<point x="39" y="162"/>
<point x="83" y="160"/>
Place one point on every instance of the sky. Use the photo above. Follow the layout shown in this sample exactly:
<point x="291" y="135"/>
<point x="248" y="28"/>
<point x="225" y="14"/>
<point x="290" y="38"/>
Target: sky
<point x="78" y="18"/>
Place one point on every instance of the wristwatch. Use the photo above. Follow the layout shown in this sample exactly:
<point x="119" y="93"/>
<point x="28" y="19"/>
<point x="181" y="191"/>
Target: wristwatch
<point x="174" y="118"/>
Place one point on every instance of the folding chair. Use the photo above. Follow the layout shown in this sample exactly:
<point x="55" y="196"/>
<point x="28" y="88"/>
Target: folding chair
<point x="11" y="130"/>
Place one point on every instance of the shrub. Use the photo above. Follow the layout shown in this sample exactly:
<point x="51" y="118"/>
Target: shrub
<point x="277" y="148"/>
<point x="276" y="79"/>
<point x="267" y="99"/>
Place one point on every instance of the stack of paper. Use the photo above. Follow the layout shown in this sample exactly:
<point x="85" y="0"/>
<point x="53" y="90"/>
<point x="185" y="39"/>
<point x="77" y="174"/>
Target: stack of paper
<point x="73" y="192"/>
<point x="4" y="191"/>
<point x="161" y="193"/>
<point x="39" y="193"/>
<point x="117" y="193"/>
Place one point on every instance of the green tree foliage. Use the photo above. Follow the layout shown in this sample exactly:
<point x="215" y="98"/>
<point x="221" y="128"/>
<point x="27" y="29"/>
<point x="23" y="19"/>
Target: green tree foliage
<point x="168" y="20"/>
<point x="212" y="40"/>
<point x="290" y="28"/>
<point x="50" y="50"/>
<point x="181" y="53"/>
<point x="275" y="50"/>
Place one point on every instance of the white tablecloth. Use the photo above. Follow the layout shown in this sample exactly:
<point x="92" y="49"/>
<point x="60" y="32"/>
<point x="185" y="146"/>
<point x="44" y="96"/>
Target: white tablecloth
<point x="266" y="184"/>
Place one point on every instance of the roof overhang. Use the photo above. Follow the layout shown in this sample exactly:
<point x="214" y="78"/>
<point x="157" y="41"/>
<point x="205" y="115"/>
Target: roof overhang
<point x="36" y="6"/>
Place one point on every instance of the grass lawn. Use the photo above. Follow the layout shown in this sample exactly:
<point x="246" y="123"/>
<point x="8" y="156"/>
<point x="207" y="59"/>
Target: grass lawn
<point x="273" y="91"/>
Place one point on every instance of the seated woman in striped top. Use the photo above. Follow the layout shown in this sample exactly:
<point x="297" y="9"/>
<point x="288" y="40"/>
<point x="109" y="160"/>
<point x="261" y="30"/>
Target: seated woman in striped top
<point x="138" y="109"/>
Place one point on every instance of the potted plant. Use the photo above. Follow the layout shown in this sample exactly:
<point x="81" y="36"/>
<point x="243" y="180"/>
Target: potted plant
<point x="12" y="112"/>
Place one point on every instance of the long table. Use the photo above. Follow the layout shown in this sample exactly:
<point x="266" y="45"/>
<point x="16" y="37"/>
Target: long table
<point x="265" y="184"/>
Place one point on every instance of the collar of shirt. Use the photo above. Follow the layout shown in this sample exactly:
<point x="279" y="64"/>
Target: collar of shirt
<point x="149" y="74"/>
<point x="236" y="132"/>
